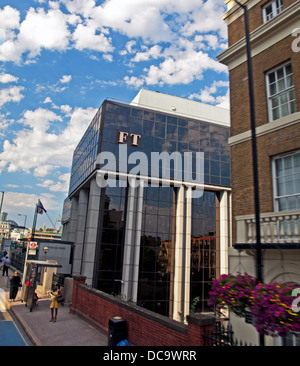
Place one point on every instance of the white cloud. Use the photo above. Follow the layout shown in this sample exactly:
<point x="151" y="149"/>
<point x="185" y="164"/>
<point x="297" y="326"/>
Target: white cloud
<point x="9" y="19"/>
<point x="66" y="109"/>
<point x="208" y="94"/>
<point x="22" y="202"/>
<point x="66" y="79"/>
<point x="43" y="30"/>
<point x="108" y="57"/>
<point x="157" y="28"/>
<point x="134" y="81"/>
<point x="7" y="78"/>
<point x="47" y="100"/>
<point x="206" y="18"/>
<point x="182" y="66"/>
<point x="43" y="170"/>
<point x="80" y="7"/>
<point x="12" y="94"/>
<point x="39" y="120"/>
<point x="134" y="18"/>
<point x="38" y="149"/>
<point x="62" y="185"/>
<point x="153" y="52"/>
<point x="4" y="123"/>
<point x="39" y="30"/>
<point x="86" y="37"/>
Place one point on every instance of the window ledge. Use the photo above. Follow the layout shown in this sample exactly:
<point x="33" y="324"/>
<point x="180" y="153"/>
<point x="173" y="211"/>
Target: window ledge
<point x="266" y="128"/>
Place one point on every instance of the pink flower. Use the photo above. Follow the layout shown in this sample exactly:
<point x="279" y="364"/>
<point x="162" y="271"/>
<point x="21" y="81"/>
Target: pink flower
<point x="270" y="304"/>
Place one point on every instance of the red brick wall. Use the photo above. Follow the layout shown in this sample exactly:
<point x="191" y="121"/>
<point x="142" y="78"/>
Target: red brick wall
<point x="272" y="57"/>
<point x="236" y="30"/>
<point x="144" y="327"/>
<point x="268" y="145"/>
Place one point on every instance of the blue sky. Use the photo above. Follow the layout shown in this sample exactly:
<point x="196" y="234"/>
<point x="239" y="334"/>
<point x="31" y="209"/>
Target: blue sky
<point x="60" y="59"/>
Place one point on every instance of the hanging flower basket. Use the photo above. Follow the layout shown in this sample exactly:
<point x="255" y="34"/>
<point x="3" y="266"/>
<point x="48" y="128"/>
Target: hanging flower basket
<point x="269" y="304"/>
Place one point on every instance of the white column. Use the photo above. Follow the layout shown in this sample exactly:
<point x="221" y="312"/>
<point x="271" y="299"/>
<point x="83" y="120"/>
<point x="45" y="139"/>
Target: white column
<point x="80" y="230"/>
<point x="73" y="220"/>
<point x="178" y="275"/>
<point x="224" y="231"/>
<point x="128" y="244"/>
<point x="137" y="242"/>
<point x="187" y="253"/>
<point x="91" y="230"/>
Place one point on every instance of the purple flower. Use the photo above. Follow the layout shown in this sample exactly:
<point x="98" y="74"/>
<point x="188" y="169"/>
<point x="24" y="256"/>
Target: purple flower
<point x="270" y="304"/>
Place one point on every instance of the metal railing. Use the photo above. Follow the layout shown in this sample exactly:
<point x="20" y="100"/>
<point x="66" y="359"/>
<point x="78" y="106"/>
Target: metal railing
<point x="222" y="336"/>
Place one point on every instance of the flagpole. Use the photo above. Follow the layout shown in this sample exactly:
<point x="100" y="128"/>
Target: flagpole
<point x="24" y="271"/>
<point x="27" y="248"/>
<point x="34" y="223"/>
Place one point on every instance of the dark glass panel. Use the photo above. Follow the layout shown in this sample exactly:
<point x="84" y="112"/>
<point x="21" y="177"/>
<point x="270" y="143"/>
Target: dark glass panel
<point x="149" y="115"/>
<point x="148" y="128"/>
<point x="160" y="117"/>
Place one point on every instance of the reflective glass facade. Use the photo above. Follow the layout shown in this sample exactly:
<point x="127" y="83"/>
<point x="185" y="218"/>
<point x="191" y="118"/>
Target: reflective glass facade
<point x="204" y="247"/>
<point x="85" y="154"/>
<point x="157" y="249"/>
<point x="161" y="132"/>
<point x="156" y="236"/>
<point x="111" y="236"/>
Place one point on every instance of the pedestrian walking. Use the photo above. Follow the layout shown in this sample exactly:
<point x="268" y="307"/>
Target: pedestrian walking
<point x="3" y="255"/>
<point x="6" y="265"/>
<point x="55" y="305"/>
<point x="15" y="282"/>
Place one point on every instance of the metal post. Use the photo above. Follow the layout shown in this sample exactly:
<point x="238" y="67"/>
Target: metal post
<point x="24" y="271"/>
<point x="25" y="219"/>
<point x="259" y="265"/>
<point x="1" y="201"/>
<point x="34" y="223"/>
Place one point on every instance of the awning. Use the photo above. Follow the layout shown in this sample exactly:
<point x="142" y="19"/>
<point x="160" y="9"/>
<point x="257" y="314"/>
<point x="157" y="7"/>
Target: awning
<point x="44" y="264"/>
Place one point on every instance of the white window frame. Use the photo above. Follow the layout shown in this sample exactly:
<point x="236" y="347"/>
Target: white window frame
<point x="291" y="104"/>
<point x="277" y="8"/>
<point x="275" y="176"/>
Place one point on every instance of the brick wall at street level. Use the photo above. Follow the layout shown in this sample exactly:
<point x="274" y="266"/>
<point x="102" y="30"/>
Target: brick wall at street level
<point x="144" y="327"/>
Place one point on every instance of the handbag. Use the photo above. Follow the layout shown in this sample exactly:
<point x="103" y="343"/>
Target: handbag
<point x="60" y="299"/>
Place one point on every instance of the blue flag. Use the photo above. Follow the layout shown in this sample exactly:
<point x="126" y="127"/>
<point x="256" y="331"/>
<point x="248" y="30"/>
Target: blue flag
<point x="40" y="208"/>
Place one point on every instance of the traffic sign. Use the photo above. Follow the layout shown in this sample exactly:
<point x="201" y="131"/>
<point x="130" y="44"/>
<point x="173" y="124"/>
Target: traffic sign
<point x="32" y="245"/>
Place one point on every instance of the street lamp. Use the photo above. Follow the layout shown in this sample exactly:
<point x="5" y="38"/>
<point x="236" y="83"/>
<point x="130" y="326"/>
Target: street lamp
<point x="24" y="219"/>
<point x="259" y="265"/>
<point x="45" y="249"/>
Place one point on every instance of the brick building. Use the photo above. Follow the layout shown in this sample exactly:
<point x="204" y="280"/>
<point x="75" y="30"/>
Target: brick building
<point x="274" y="28"/>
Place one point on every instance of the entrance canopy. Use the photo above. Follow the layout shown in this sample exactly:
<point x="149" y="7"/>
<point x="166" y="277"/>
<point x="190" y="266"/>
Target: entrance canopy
<point x="44" y="264"/>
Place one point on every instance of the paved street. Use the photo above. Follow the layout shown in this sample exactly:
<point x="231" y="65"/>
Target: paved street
<point x="11" y="334"/>
<point x="20" y="327"/>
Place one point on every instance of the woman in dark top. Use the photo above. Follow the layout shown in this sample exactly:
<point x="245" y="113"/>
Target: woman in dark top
<point x="15" y="282"/>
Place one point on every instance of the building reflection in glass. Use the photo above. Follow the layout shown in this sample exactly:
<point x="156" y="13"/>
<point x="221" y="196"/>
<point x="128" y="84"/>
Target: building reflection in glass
<point x="156" y="266"/>
<point x="203" y="248"/>
<point x="112" y="240"/>
<point x="157" y="244"/>
<point x="161" y="132"/>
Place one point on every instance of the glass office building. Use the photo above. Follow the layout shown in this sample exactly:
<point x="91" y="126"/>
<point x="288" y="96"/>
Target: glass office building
<point x="156" y="243"/>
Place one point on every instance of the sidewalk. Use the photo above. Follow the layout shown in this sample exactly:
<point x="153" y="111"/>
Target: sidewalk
<point x="68" y="330"/>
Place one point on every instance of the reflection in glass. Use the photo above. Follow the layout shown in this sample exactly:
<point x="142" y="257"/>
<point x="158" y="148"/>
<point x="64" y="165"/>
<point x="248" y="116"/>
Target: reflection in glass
<point x="156" y="249"/>
<point x="112" y="240"/>
<point x="203" y="248"/>
<point x="161" y="132"/>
